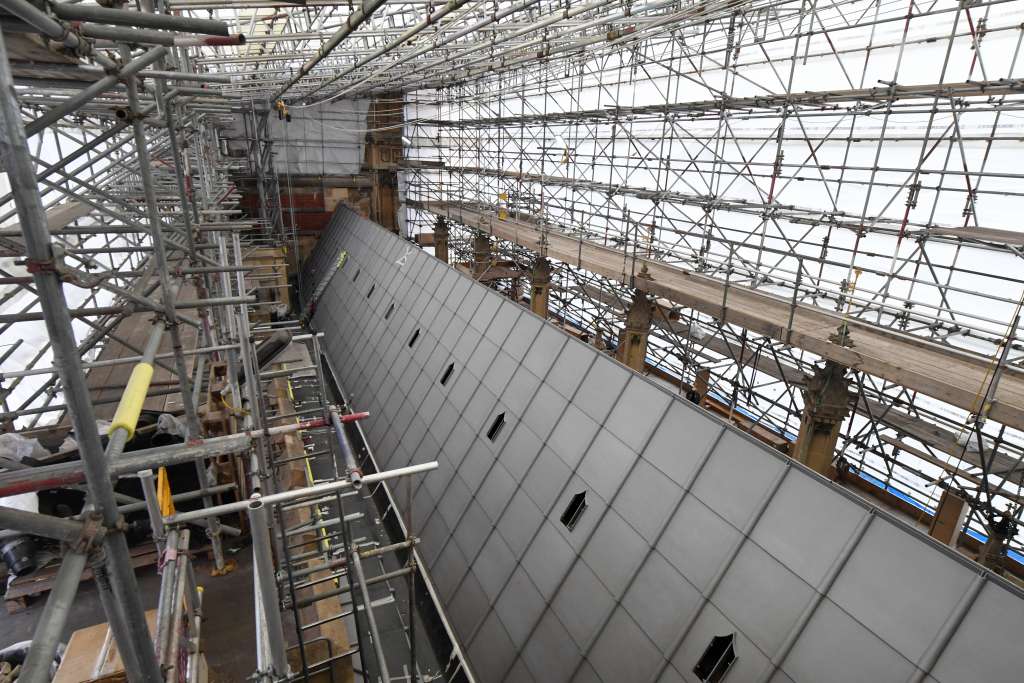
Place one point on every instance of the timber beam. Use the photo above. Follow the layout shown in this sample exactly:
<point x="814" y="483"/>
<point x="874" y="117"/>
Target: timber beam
<point x="942" y="372"/>
<point x="1001" y="462"/>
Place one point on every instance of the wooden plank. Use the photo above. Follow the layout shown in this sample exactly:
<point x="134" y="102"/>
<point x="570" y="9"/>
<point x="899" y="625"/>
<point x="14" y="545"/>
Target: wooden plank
<point x="41" y="581"/>
<point x="92" y="655"/>
<point x="62" y="215"/>
<point x="1009" y="237"/>
<point x="57" y="217"/>
<point x="37" y="52"/>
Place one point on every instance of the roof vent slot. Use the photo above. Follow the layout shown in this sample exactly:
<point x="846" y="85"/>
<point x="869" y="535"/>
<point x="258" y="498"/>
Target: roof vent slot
<point x="496" y="426"/>
<point x="370" y="293"/>
<point x="574" y="510"/>
<point x="391" y="309"/>
<point x="447" y="374"/>
<point x="717" y="658"/>
<point x="415" y="336"/>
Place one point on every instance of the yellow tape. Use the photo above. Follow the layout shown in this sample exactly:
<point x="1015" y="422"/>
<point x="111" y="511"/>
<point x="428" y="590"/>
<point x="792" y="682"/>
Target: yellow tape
<point x="163" y="493"/>
<point x="128" y="410"/>
<point x="323" y="543"/>
<point x="237" y="412"/>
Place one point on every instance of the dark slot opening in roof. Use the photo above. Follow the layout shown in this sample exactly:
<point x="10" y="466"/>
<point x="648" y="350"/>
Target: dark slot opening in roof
<point x="415" y="336"/>
<point x="496" y="426"/>
<point x="447" y="374"/>
<point x="391" y="309"/>
<point x="717" y="658"/>
<point x="574" y="510"/>
<point x="370" y="293"/>
<point x="356" y="276"/>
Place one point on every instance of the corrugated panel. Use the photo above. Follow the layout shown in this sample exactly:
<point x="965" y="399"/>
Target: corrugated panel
<point x="691" y="530"/>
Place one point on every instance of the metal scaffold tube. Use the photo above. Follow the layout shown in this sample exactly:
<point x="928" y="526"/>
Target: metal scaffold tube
<point x="85" y="95"/>
<point x="262" y="481"/>
<point x="166" y="22"/>
<point x="41" y="21"/>
<point x="265" y="577"/>
<point x="165" y="608"/>
<point x="364" y="592"/>
<point x="119" y="625"/>
<point x="427" y="22"/>
<point x="352" y="22"/>
<point x="317" y="490"/>
<point x="152" y="506"/>
<point x="355" y="474"/>
<point x="50" y="628"/>
<point x="63" y="474"/>
<point x="723" y="195"/>
<point x="59" y="529"/>
<point x="213" y="524"/>
<point x="156" y="228"/>
<point x="126" y="610"/>
<point x="149" y="37"/>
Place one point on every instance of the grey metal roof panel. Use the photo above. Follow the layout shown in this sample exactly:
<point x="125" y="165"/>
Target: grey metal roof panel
<point x="691" y="530"/>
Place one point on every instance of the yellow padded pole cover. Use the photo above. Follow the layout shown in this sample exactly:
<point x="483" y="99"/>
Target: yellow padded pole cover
<point x="128" y="410"/>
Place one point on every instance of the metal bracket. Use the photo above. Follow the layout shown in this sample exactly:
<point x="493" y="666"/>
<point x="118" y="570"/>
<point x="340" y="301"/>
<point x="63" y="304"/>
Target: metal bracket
<point x="42" y="265"/>
<point x="93" y="532"/>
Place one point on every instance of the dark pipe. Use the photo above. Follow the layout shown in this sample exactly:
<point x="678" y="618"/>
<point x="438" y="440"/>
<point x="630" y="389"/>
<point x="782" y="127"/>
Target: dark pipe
<point x="268" y="350"/>
<point x="117" y="17"/>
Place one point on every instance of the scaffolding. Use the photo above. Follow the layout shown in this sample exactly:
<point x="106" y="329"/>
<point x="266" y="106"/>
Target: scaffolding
<point x="787" y="159"/>
<point x="128" y="219"/>
<point x="768" y="198"/>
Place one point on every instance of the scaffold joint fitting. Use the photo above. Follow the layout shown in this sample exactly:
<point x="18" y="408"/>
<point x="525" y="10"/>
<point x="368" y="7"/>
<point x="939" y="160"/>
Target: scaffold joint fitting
<point x="41" y="265"/>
